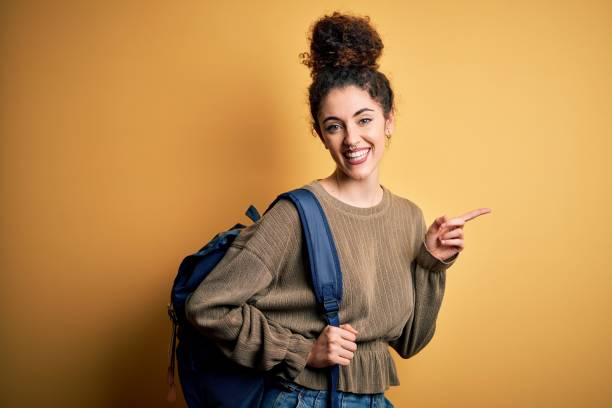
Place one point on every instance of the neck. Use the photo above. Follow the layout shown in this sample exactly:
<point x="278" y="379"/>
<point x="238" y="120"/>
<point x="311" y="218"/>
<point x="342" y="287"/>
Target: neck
<point x="360" y="193"/>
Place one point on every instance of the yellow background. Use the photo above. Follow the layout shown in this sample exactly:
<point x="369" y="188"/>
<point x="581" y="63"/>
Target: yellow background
<point x="132" y="132"/>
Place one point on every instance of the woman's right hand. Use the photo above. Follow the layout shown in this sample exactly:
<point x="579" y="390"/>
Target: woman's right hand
<point x="335" y="345"/>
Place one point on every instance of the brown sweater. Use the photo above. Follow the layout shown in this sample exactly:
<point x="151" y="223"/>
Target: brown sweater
<point x="259" y="307"/>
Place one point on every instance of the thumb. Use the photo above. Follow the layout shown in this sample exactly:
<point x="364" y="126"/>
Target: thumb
<point x="439" y="222"/>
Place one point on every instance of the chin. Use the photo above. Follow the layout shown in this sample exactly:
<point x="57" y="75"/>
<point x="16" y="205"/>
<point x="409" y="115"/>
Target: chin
<point x="357" y="175"/>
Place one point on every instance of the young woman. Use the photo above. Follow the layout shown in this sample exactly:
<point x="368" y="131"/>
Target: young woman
<point x="258" y="303"/>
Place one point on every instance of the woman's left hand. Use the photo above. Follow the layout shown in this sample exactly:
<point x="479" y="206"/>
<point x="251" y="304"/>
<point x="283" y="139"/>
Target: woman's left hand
<point x="444" y="238"/>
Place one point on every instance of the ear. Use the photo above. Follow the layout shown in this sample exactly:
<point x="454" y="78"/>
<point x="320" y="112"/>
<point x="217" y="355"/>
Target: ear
<point x="390" y="123"/>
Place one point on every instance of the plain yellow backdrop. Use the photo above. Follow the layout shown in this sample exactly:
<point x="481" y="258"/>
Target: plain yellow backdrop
<point x="132" y="132"/>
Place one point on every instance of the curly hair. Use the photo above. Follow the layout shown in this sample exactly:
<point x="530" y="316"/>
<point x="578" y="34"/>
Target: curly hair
<point x="343" y="51"/>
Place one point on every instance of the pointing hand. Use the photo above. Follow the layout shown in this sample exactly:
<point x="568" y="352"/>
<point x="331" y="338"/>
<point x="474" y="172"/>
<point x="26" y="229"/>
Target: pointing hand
<point x="444" y="238"/>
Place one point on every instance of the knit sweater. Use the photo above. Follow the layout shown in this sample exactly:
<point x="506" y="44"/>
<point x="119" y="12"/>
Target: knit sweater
<point x="259" y="307"/>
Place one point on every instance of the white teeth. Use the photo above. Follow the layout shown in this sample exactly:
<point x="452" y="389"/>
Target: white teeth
<point x="356" y="155"/>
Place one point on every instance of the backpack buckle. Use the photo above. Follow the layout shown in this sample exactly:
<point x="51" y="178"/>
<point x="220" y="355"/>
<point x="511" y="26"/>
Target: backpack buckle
<point x="330" y="305"/>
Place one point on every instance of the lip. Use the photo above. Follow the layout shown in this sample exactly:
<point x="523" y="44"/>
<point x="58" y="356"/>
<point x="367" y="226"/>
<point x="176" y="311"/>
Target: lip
<point x="356" y="150"/>
<point x="362" y="159"/>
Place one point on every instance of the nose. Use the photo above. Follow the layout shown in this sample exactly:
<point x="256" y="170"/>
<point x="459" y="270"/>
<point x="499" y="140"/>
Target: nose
<point x="351" y="137"/>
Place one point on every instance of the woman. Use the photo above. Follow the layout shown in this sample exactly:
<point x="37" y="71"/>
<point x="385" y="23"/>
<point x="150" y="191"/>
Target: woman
<point x="258" y="304"/>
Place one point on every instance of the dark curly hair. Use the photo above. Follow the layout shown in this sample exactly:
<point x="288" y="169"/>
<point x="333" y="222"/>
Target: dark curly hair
<point x="343" y="51"/>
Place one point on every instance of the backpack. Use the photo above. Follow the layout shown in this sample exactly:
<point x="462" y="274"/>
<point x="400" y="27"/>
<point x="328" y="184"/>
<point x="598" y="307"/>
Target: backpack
<point x="208" y="378"/>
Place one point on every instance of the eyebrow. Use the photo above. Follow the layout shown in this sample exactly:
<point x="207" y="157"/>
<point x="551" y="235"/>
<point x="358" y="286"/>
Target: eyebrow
<point x="356" y="113"/>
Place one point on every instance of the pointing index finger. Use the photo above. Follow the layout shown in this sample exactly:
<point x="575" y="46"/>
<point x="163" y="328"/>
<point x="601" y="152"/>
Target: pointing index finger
<point x="474" y="213"/>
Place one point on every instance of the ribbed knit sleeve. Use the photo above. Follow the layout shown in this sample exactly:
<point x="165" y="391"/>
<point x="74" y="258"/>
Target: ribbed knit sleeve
<point x="222" y="307"/>
<point x="428" y="278"/>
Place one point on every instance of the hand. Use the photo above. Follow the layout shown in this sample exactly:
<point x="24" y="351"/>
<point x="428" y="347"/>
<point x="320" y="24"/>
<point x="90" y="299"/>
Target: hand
<point x="444" y="238"/>
<point x="335" y="345"/>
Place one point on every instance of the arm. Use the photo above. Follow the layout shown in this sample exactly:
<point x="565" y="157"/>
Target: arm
<point x="221" y="308"/>
<point x="428" y="277"/>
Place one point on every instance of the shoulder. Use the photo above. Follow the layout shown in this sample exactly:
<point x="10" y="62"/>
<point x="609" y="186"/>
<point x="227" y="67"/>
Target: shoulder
<point x="279" y="222"/>
<point x="407" y="207"/>
<point x="282" y="214"/>
<point x="274" y="237"/>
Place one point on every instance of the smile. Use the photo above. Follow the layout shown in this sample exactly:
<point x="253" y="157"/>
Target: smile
<point x="357" y="157"/>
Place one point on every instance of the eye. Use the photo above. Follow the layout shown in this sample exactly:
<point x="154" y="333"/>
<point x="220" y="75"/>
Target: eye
<point x="368" y="120"/>
<point x="331" y="127"/>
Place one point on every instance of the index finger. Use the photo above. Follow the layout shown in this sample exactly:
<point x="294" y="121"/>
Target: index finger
<point x="474" y="213"/>
<point x="347" y="326"/>
<point x="348" y="335"/>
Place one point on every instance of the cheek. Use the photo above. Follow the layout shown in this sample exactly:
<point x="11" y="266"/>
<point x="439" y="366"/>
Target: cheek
<point x="377" y="141"/>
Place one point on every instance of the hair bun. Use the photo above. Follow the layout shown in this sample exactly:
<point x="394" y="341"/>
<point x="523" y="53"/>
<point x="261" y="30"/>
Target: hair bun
<point x="342" y="40"/>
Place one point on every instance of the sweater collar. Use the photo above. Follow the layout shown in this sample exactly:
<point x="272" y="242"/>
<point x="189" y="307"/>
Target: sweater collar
<point x="329" y="199"/>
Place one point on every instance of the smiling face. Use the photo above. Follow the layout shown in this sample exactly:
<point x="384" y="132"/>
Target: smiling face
<point x="349" y="116"/>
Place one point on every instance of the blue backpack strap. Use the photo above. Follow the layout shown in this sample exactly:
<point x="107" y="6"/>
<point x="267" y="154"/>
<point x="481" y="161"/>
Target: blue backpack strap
<point x="324" y="265"/>
<point x="252" y="213"/>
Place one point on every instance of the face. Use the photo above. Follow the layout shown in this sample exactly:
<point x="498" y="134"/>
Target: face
<point x="349" y="116"/>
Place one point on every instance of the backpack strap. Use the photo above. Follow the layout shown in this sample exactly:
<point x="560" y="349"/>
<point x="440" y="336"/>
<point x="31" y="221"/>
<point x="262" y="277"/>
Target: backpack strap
<point x="323" y="263"/>
<point x="252" y="213"/>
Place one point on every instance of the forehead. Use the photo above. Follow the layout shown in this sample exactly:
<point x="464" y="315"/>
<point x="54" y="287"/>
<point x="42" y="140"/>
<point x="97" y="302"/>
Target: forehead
<point x="345" y="101"/>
